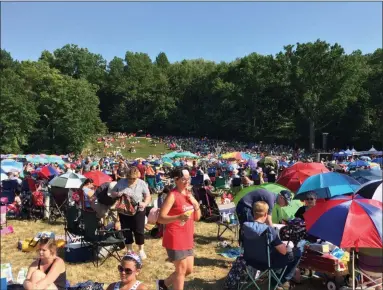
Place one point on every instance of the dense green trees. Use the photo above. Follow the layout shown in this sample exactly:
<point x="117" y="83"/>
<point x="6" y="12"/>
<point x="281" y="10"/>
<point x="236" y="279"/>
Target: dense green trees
<point x="57" y="103"/>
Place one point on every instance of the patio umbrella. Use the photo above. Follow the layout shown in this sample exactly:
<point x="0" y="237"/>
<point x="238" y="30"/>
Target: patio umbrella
<point x="68" y="180"/>
<point x="48" y="171"/>
<point x="38" y="159"/>
<point x="237" y="156"/>
<point x="294" y="176"/>
<point x="279" y="213"/>
<point x="185" y="154"/>
<point x="345" y="214"/>
<point x="328" y="185"/>
<point x="3" y="176"/>
<point x="364" y="176"/>
<point x="358" y="163"/>
<point x="169" y="155"/>
<point x="98" y="177"/>
<point x="371" y="190"/>
<point x="8" y="165"/>
<point x="378" y="160"/>
<point x="365" y="158"/>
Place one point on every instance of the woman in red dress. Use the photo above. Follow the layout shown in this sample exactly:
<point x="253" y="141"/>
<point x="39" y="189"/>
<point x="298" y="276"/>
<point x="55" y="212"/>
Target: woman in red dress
<point x="178" y="212"/>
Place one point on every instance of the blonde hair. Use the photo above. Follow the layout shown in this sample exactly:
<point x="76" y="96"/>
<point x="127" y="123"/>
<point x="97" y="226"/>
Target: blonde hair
<point x="260" y="208"/>
<point x="50" y="243"/>
<point x="133" y="173"/>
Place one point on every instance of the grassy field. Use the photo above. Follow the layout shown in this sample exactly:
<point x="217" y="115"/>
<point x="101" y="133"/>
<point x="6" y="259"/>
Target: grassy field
<point x="143" y="149"/>
<point x="209" y="272"/>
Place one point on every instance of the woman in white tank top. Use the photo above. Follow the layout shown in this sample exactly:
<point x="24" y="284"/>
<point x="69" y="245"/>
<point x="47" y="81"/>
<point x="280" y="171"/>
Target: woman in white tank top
<point x="129" y="269"/>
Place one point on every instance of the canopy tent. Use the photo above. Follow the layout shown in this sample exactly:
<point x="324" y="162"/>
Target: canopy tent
<point x="279" y="213"/>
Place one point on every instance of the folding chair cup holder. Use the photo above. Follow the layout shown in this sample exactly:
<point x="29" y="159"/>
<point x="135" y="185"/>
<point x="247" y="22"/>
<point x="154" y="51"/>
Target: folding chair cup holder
<point x="262" y="264"/>
<point x="223" y="226"/>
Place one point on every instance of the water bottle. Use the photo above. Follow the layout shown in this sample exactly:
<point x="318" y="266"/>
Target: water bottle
<point x="232" y="219"/>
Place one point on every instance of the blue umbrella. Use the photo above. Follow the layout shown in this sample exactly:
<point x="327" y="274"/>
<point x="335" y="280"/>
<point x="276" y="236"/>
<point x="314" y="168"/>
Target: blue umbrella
<point x="328" y="185"/>
<point x="8" y="165"/>
<point x="364" y="176"/>
<point x="378" y="160"/>
<point x="358" y="163"/>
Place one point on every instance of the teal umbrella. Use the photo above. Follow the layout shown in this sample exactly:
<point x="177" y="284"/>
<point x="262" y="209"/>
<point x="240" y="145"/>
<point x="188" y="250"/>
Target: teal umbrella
<point x="39" y="159"/>
<point x="185" y="154"/>
<point x="169" y="155"/>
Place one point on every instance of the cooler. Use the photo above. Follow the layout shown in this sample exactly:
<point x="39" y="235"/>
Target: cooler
<point x="78" y="252"/>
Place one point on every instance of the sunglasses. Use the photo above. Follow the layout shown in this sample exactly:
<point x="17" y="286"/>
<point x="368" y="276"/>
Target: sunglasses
<point x="310" y="198"/>
<point x="127" y="271"/>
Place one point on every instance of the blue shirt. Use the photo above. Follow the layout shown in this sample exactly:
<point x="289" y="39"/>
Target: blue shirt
<point x="259" y="195"/>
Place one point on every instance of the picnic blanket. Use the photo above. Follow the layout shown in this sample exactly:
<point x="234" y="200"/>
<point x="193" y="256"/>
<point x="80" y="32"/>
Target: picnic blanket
<point x="231" y="253"/>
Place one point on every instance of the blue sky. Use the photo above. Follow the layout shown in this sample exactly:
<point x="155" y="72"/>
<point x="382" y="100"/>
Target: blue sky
<point x="219" y="31"/>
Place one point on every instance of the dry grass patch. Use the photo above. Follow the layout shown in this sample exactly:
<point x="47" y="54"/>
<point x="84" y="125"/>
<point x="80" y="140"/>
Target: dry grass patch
<point x="209" y="272"/>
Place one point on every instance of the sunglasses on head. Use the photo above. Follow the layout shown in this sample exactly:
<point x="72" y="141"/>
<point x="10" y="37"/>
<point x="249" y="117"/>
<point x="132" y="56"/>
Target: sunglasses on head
<point x="127" y="271"/>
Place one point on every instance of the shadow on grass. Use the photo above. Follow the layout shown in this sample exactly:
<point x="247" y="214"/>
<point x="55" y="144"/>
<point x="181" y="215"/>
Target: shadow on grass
<point x="205" y="240"/>
<point x="207" y="262"/>
<point x="199" y="284"/>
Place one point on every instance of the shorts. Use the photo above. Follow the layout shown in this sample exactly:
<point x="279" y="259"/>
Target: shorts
<point x="176" y="255"/>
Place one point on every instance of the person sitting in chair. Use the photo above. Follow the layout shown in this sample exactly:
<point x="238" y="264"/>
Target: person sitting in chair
<point x="280" y="256"/>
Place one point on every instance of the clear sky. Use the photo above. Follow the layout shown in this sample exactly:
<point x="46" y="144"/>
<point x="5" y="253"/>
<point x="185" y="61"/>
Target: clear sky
<point x="186" y="30"/>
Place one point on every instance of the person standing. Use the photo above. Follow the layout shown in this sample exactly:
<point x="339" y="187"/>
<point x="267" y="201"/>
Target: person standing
<point x="137" y="192"/>
<point x="178" y="213"/>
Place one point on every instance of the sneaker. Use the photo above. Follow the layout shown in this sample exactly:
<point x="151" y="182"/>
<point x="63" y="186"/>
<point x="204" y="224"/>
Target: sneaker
<point x="160" y="285"/>
<point x="142" y="255"/>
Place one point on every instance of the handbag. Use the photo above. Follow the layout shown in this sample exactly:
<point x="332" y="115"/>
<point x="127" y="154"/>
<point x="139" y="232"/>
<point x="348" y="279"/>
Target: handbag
<point x="125" y="205"/>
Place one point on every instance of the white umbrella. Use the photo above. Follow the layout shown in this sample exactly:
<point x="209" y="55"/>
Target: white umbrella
<point x="3" y="176"/>
<point x="371" y="190"/>
<point x="68" y="180"/>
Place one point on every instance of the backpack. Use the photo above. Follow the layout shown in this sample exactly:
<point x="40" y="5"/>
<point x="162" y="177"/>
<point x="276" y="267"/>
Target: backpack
<point x="102" y="195"/>
<point x="237" y="274"/>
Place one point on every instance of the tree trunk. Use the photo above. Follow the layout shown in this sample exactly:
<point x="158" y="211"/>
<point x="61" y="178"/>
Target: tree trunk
<point x="312" y="136"/>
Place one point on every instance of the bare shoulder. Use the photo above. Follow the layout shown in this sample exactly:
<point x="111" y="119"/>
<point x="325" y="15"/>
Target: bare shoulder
<point x="142" y="286"/>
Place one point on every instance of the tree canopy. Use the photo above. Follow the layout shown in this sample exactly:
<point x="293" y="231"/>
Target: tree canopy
<point x="56" y="104"/>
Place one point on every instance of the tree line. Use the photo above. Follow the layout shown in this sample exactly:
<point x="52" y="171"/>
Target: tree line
<point x="56" y="104"/>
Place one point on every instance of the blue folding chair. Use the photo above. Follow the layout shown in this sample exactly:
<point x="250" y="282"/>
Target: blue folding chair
<point x="256" y="254"/>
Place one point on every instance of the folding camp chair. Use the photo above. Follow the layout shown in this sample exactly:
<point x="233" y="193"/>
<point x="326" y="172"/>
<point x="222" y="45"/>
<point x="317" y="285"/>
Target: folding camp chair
<point x="197" y="180"/>
<point x="222" y="225"/>
<point x="107" y="240"/>
<point x="8" y="190"/>
<point x="152" y="184"/>
<point x="256" y="253"/>
<point x="220" y="185"/>
<point x="58" y="203"/>
<point x="208" y="205"/>
<point x="74" y="227"/>
<point x="236" y="185"/>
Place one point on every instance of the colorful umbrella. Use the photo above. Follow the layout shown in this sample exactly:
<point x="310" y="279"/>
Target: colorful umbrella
<point x="237" y="156"/>
<point x="48" y="171"/>
<point x="279" y="213"/>
<point x="363" y="176"/>
<point x="294" y="176"/>
<point x="328" y="185"/>
<point x="378" y="160"/>
<point x="371" y="190"/>
<point x="358" y="163"/>
<point x="68" y="180"/>
<point x="8" y="165"/>
<point x="355" y="222"/>
<point x="98" y="177"/>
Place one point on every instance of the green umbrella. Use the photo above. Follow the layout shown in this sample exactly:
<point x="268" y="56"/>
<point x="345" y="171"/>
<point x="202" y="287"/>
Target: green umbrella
<point x="279" y="213"/>
<point x="167" y="164"/>
<point x="169" y="155"/>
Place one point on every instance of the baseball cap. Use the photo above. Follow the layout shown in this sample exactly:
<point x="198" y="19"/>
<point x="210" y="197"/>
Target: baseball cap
<point x="286" y="195"/>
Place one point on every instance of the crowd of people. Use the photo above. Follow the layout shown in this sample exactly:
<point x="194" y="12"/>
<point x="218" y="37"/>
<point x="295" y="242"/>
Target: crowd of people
<point x="178" y="206"/>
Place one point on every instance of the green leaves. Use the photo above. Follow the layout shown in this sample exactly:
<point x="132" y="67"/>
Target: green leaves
<point x="61" y="101"/>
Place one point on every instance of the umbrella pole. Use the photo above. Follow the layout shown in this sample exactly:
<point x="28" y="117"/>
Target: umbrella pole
<point x="353" y="269"/>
